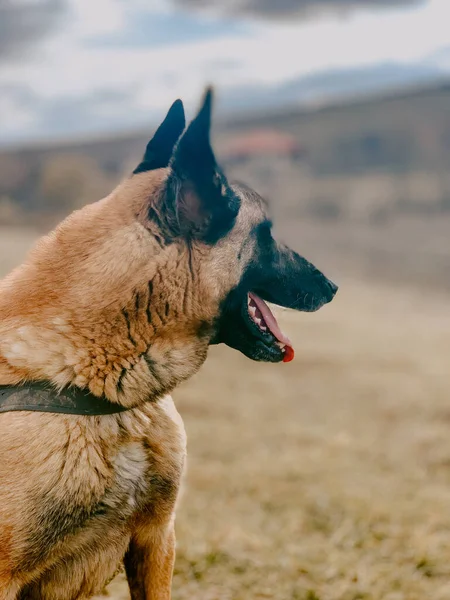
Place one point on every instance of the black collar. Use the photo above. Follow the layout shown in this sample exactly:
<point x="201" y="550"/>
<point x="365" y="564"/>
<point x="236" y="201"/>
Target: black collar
<point x="41" y="397"/>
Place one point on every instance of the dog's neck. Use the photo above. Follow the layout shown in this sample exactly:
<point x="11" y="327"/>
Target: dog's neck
<point x="129" y="357"/>
<point x="129" y="352"/>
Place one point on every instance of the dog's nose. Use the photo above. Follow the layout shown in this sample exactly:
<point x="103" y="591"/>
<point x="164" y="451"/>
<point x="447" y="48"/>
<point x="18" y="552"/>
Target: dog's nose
<point x="332" y="289"/>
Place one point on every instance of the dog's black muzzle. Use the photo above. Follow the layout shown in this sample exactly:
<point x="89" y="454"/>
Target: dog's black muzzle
<point x="291" y="281"/>
<point x="280" y="276"/>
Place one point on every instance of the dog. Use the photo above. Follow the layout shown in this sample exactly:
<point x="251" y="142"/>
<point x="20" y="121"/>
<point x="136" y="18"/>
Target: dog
<point x="118" y="305"/>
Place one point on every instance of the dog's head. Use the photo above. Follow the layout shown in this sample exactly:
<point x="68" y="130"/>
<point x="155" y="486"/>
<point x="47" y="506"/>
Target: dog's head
<point x="134" y="288"/>
<point x="230" y="223"/>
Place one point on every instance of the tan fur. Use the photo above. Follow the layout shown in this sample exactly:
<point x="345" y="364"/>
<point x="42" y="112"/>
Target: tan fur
<point x="101" y="303"/>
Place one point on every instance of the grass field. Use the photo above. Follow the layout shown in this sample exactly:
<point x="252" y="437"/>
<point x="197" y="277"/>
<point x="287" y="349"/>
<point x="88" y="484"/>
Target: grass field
<point x="328" y="478"/>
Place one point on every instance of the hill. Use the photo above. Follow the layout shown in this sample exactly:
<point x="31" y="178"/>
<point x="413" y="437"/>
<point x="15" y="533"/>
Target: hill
<point x="369" y="188"/>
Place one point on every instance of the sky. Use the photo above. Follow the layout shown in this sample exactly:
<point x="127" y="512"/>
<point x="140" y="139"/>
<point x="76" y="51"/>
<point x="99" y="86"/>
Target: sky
<point x="76" y="67"/>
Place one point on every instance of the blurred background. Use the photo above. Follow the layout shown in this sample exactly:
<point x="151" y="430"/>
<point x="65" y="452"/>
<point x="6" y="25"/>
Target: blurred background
<point x="328" y="478"/>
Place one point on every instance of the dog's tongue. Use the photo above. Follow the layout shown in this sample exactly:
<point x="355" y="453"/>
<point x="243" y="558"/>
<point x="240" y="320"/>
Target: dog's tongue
<point x="272" y="324"/>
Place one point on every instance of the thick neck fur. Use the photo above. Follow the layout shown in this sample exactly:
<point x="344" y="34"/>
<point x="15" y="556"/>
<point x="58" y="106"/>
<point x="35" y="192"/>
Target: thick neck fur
<point x="100" y="304"/>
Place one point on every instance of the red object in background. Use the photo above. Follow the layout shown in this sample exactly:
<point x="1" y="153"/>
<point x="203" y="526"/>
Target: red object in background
<point x="260" y="142"/>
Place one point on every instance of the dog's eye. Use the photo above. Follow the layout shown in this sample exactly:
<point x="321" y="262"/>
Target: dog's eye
<point x="264" y="234"/>
<point x="264" y="238"/>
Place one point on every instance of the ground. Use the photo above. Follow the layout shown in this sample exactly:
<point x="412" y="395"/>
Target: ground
<point x="327" y="478"/>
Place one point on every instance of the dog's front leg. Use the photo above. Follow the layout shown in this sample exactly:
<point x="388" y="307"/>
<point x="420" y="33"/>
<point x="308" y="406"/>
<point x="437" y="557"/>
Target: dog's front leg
<point x="149" y="562"/>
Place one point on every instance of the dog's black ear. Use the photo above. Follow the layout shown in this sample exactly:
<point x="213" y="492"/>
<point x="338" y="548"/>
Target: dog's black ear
<point x="160" y="148"/>
<point x="204" y="204"/>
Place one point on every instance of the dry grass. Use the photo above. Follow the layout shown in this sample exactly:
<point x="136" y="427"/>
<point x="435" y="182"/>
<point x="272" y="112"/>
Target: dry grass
<point x="328" y="478"/>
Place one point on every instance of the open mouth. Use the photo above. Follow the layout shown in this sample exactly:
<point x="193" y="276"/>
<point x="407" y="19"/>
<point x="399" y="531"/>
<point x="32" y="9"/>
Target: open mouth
<point x="246" y="323"/>
<point x="264" y="323"/>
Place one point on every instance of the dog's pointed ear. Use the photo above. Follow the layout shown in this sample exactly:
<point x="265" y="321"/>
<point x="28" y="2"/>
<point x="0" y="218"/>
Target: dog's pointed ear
<point x="193" y="157"/>
<point x="204" y="204"/>
<point x="160" y="148"/>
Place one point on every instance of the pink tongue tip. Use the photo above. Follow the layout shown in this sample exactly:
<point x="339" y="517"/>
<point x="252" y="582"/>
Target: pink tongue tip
<point x="270" y="320"/>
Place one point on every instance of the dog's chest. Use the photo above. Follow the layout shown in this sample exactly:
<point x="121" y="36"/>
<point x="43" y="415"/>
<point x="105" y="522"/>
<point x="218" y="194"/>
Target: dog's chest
<point x="127" y="469"/>
<point x="146" y="464"/>
<point x="148" y="461"/>
<point x="131" y="484"/>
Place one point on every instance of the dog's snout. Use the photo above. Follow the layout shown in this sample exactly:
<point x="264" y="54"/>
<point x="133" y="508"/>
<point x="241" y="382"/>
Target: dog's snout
<point x="328" y="288"/>
<point x="332" y="289"/>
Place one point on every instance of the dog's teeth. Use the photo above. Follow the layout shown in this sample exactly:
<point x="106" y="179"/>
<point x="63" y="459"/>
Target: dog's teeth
<point x="255" y="314"/>
<point x="249" y="300"/>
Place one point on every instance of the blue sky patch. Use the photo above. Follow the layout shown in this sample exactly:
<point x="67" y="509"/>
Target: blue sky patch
<point x="150" y="30"/>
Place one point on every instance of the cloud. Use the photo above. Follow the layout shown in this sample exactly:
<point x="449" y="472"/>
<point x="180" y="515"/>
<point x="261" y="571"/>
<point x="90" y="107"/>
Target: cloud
<point x="107" y="109"/>
<point x="143" y="28"/>
<point x="99" y="111"/>
<point x="286" y="9"/>
<point x="23" y="23"/>
<point x="102" y="67"/>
